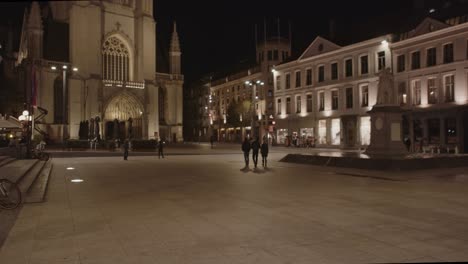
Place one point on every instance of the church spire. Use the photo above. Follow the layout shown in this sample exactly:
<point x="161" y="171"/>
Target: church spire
<point x="175" y="45"/>
<point x="174" y="52"/>
<point x="34" y="31"/>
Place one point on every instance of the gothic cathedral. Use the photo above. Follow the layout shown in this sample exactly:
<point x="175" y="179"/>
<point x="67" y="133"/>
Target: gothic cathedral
<point x="94" y="62"/>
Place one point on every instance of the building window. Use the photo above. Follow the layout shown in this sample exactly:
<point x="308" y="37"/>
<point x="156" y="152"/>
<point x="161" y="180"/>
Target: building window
<point x="278" y="82"/>
<point x="432" y="91"/>
<point x="288" y="105"/>
<point x="275" y="54"/>
<point x="322" y="131"/>
<point x="298" y="79"/>
<point x="270" y="93"/>
<point x="321" y="73"/>
<point x="270" y="55"/>
<point x="365" y="95"/>
<point x="401" y="63"/>
<point x="288" y="81"/>
<point x="415" y="60"/>
<point x="59" y="118"/>
<point x="434" y="131"/>
<point x="402" y="93"/>
<point x="335" y="100"/>
<point x="334" y="71"/>
<point x="381" y="60"/>
<point x="115" y="60"/>
<point x="349" y="68"/>
<point x="335" y="131"/>
<point x="449" y="84"/>
<point x="278" y="107"/>
<point x="365" y="129"/>
<point x="451" y="131"/>
<point x="309" y="103"/>
<point x="416" y="88"/>
<point x="431" y="57"/>
<point x="298" y="104"/>
<point x="448" y="53"/>
<point x="349" y="97"/>
<point x="309" y="77"/>
<point x="321" y="101"/>
<point x="364" y="64"/>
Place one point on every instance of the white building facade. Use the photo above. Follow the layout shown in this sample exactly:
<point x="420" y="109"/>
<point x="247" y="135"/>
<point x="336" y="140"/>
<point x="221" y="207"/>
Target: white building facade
<point x="431" y="77"/>
<point x="325" y="94"/>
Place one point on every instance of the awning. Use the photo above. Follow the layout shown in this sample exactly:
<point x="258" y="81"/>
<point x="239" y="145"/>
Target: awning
<point x="10" y="124"/>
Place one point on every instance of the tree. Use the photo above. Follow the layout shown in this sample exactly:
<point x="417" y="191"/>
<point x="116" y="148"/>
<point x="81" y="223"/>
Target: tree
<point x="239" y="114"/>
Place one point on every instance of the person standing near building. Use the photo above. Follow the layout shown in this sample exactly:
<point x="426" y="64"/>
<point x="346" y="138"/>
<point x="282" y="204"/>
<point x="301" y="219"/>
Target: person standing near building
<point x="161" y="148"/>
<point x="255" y="148"/>
<point x="264" y="152"/>
<point x="126" y="147"/>
<point x="246" y="150"/>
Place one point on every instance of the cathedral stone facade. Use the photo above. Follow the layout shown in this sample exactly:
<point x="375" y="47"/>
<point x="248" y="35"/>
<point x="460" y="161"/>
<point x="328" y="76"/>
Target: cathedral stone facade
<point x="96" y="60"/>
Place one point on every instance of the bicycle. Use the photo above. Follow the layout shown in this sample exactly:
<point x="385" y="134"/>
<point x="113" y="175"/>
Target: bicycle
<point x="10" y="194"/>
<point x="40" y="154"/>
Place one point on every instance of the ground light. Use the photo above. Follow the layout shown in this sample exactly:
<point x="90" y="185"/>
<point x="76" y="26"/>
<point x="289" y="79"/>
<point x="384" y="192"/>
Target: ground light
<point x="70" y="168"/>
<point x="77" y="180"/>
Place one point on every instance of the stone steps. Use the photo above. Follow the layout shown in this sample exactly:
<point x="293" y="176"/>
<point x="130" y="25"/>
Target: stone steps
<point x="4" y="160"/>
<point x="31" y="175"/>
<point x="37" y="190"/>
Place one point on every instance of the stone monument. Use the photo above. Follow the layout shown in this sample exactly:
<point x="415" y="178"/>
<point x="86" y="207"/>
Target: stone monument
<point x="386" y="119"/>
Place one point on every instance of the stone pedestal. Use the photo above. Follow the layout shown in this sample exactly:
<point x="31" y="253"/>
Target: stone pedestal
<point x="386" y="132"/>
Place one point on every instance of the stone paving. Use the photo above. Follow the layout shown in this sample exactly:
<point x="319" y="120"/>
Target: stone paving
<point x="205" y="209"/>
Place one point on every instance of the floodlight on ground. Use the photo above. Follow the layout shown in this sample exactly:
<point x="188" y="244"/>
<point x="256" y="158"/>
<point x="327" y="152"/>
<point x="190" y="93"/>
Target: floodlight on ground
<point x="70" y="168"/>
<point x="77" y="180"/>
<point x="64" y="67"/>
<point x="53" y="68"/>
<point x="75" y="69"/>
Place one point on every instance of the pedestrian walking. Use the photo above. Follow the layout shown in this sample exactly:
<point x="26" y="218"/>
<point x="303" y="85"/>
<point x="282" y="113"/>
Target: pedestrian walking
<point x="126" y="146"/>
<point x="255" y="148"/>
<point x="246" y="150"/>
<point x="264" y="152"/>
<point x="161" y="149"/>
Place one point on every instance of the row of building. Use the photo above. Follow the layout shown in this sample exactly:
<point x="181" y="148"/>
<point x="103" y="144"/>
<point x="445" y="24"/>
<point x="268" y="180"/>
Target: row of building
<point x="323" y="96"/>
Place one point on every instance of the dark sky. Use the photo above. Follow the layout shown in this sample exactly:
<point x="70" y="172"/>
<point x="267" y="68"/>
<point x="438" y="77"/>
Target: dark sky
<point x="218" y="34"/>
<point x="215" y="35"/>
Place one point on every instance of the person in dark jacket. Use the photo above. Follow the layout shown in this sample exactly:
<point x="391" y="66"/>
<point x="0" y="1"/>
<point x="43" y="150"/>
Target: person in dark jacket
<point x="264" y="152"/>
<point x="246" y="150"/>
<point x="126" y="146"/>
<point x="255" y="147"/>
<point x="161" y="148"/>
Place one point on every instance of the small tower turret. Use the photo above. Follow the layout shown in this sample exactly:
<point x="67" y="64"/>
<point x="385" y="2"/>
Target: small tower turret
<point x="174" y="53"/>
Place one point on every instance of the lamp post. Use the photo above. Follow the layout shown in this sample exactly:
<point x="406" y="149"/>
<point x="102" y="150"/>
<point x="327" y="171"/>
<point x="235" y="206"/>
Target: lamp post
<point x="254" y="100"/>
<point x="65" y="70"/>
<point x="25" y="118"/>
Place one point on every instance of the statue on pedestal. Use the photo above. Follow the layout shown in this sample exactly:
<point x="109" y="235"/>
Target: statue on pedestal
<point x="386" y="91"/>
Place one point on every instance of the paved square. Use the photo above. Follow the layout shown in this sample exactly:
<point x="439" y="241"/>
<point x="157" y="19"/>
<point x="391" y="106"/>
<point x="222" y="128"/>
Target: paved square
<point x="205" y="209"/>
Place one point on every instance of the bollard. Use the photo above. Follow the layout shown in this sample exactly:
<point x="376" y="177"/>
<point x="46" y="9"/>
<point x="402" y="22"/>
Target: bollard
<point x="456" y="149"/>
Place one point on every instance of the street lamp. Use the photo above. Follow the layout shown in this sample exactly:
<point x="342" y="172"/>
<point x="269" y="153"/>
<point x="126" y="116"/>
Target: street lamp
<point x="254" y="100"/>
<point x="25" y="118"/>
<point x="64" y="95"/>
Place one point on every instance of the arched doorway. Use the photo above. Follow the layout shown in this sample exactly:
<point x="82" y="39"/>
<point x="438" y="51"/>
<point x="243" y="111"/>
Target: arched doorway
<point x="123" y="117"/>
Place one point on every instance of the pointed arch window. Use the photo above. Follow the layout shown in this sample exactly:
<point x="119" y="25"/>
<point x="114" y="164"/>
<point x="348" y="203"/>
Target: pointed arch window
<point x="115" y="60"/>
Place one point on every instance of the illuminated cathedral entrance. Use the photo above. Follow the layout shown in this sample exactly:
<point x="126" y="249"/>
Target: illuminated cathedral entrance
<point x="123" y="117"/>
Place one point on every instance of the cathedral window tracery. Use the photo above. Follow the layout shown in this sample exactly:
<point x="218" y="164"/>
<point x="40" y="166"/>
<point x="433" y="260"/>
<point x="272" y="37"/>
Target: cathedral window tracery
<point x="115" y="60"/>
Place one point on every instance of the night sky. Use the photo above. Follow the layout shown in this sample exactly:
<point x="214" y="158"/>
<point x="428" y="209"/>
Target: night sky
<point x="215" y="35"/>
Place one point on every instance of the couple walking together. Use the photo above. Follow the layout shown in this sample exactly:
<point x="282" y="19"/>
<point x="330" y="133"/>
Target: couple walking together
<point x="255" y="146"/>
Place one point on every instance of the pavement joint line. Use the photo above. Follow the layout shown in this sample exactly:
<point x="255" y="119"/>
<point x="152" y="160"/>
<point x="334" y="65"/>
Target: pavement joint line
<point x="368" y="176"/>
